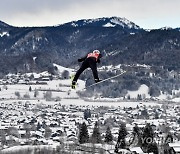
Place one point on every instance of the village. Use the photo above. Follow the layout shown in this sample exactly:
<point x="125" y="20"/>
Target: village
<point x="41" y="110"/>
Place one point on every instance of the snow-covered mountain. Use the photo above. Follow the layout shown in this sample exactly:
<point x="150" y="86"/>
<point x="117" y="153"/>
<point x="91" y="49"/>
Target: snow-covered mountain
<point x="104" y="22"/>
<point x="122" y="40"/>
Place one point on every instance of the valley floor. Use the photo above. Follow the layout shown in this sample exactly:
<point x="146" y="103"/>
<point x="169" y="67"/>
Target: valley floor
<point x="47" y="116"/>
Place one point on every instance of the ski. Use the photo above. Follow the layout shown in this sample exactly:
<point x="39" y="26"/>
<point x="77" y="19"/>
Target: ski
<point x="104" y="80"/>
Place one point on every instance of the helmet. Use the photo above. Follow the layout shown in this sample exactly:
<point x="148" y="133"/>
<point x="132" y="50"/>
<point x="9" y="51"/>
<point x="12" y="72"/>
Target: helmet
<point x="96" y="51"/>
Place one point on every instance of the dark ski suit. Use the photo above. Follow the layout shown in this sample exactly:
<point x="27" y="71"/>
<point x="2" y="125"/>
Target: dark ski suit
<point x="88" y="62"/>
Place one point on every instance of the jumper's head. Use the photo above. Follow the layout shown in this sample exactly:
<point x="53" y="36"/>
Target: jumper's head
<point x="96" y="51"/>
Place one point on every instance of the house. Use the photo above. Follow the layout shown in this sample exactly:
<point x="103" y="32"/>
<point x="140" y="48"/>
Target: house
<point x="37" y="134"/>
<point x="22" y="133"/>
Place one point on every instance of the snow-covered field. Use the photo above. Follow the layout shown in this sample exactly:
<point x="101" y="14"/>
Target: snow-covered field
<point x="62" y="89"/>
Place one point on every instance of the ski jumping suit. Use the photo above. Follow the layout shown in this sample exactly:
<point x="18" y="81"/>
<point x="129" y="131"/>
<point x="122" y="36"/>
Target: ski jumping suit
<point x="89" y="61"/>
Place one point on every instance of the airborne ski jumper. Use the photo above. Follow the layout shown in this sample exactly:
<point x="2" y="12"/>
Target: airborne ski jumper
<point x="89" y="61"/>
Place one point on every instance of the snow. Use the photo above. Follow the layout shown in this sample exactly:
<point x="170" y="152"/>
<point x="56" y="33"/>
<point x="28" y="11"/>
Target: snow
<point x="4" y="34"/>
<point x="147" y="30"/>
<point x="25" y="147"/>
<point x="61" y="89"/>
<point x="132" y="33"/>
<point x="110" y="68"/>
<point x="137" y="150"/>
<point x="81" y="102"/>
<point x="143" y="91"/>
<point x="124" y="22"/>
<point x="58" y="85"/>
<point x="37" y="75"/>
<point x="93" y="20"/>
<point x="69" y="98"/>
<point x="153" y="121"/>
<point x="176" y="149"/>
<point x="62" y="69"/>
<point x="176" y="146"/>
<point x="176" y="100"/>
<point x="34" y="58"/>
<point x="162" y="96"/>
<point x="111" y="22"/>
<point x="33" y="46"/>
<point x="108" y="25"/>
<point x="74" y="24"/>
<point x="143" y="65"/>
<point x="118" y="21"/>
<point x="166" y="28"/>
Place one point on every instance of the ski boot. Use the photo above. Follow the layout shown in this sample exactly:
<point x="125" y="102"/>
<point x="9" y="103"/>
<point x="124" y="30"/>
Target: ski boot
<point x="98" y="80"/>
<point x="73" y="86"/>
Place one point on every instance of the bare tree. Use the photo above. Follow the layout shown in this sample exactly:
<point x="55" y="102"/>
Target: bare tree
<point x="48" y="95"/>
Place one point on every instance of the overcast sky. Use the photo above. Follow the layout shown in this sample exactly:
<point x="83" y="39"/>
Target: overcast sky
<point x="147" y="14"/>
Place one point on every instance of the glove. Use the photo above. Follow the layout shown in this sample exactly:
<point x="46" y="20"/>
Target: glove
<point x="80" y="60"/>
<point x="98" y="61"/>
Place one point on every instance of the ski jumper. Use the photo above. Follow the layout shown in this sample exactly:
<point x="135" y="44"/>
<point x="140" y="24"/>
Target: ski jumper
<point x="89" y="61"/>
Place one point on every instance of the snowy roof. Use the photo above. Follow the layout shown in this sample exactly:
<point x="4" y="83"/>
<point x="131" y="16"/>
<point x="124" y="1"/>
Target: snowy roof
<point x="176" y="144"/>
<point x="137" y="149"/>
<point x="176" y="149"/>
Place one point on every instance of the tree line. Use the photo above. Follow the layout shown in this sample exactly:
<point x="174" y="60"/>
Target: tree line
<point x="141" y="137"/>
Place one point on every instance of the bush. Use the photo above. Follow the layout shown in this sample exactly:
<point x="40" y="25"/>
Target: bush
<point x="48" y="95"/>
<point x="65" y="74"/>
<point x="154" y="91"/>
<point x="36" y="93"/>
<point x="26" y="95"/>
<point x="17" y="94"/>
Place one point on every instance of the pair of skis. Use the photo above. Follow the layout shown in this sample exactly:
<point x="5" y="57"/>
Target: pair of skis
<point x="113" y="77"/>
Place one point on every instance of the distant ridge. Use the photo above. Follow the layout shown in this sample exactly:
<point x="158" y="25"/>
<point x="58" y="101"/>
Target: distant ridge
<point x="104" y="22"/>
<point x="3" y="24"/>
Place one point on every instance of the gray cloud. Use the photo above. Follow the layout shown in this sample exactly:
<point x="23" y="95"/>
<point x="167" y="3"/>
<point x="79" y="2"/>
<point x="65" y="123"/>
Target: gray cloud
<point x="145" y="13"/>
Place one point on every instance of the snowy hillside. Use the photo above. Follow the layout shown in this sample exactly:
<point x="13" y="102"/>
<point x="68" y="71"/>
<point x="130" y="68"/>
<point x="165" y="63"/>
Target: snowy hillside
<point x="61" y="69"/>
<point x="116" y="21"/>
<point x="4" y="34"/>
<point x="143" y="91"/>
